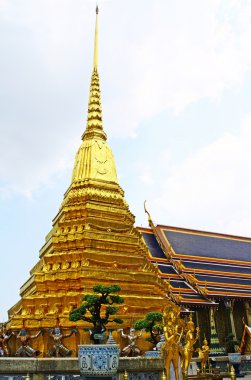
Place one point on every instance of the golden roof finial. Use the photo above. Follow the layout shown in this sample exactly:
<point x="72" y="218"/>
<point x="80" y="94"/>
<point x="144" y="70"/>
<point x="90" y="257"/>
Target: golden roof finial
<point x="94" y="158"/>
<point x="148" y="214"/>
<point x="94" y="128"/>
<point x="95" y="60"/>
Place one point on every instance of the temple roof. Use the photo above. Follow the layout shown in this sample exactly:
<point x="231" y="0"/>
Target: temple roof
<point x="207" y="245"/>
<point x="202" y="267"/>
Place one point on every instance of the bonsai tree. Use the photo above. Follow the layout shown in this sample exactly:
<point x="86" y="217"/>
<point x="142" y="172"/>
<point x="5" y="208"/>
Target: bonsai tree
<point x="152" y="323"/>
<point x="98" y="309"/>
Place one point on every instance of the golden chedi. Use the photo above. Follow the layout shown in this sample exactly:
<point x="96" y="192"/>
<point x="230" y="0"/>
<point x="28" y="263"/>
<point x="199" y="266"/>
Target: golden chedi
<point x="92" y="241"/>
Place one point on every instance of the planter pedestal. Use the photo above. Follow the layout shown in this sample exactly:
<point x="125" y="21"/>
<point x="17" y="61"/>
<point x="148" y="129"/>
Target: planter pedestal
<point x="235" y="360"/>
<point x="98" y="361"/>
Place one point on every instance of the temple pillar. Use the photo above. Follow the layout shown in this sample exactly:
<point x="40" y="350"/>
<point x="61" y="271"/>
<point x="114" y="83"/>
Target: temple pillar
<point x="248" y="312"/>
<point x="232" y="318"/>
<point x="229" y="306"/>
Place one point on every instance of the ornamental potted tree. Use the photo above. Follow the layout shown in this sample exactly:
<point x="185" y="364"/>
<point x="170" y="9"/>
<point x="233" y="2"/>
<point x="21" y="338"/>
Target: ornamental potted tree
<point x="98" y="309"/>
<point x="93" y="312"/>
<point x="152" y="323"/>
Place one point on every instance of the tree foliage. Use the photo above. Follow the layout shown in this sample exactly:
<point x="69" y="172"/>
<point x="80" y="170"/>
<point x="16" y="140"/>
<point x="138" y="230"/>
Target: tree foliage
<point x="152" y="323"/>
<point x="98" y="308"/>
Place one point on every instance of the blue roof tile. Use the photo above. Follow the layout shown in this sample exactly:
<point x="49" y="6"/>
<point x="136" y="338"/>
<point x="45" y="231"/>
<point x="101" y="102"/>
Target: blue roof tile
<point x="153" y="245"/>
<point x="209" y="246"/>
<point x="224" y="279"/>
<point x="222" y="267"/>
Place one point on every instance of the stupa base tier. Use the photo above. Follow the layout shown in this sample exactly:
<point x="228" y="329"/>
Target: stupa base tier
<point x="43" y="312"/>
<point x="44" y="343"/>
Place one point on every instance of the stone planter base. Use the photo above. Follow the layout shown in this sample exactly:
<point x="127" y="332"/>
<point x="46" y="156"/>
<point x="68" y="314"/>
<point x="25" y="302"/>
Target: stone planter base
<point x="235" y="360"/>
<point x="98" y="361"/>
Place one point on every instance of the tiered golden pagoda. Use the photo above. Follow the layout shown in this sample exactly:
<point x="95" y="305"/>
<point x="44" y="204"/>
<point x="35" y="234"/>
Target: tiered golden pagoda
<point x="93" y="241"/>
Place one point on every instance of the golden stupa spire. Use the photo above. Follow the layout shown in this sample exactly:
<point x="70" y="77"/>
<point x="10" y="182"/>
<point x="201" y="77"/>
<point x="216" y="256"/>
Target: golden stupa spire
<point x="95" y="60"/>
<point x="94" y="159"/>
<point x="94" y="128"/>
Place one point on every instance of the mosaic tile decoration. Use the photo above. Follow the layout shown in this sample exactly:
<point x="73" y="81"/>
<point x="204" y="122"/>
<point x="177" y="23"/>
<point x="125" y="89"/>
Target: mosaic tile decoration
<point x="98" y="360"/>
<point x="76" y="377"/>
<point x="152" y="354"/>
<point x="144" y="376"/>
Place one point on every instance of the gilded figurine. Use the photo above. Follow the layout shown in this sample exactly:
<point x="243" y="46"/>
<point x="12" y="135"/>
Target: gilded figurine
<point x="131" y="349"/>
<point x="170" y="351"/>
<point x="25" y="350"/>
<point x="4" y="339"/>
<point x="203" y="354"/>
<point x="58" y="349"/>
<point x="188" y="348"/>
<point x="173" y="333"/>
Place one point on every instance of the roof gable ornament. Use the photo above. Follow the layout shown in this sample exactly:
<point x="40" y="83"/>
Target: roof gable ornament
<point x="150" y="222"/>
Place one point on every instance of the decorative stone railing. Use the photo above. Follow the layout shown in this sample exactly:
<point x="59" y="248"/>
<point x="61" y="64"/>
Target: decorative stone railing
<point x="68" y="368"/>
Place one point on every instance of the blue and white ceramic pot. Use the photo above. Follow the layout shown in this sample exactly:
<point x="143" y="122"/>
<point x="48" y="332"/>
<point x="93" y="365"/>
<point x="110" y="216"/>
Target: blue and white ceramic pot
<point x="100" y="360"/>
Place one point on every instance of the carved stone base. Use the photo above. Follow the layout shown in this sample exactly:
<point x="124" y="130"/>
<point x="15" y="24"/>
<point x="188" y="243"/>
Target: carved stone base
<point x="98" y="361"/>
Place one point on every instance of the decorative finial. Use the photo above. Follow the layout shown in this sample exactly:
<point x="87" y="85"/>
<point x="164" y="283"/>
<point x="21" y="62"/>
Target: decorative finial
<point x="148" y="214"/>
<point x="95" y="60"/>
<point x="94" y="128"/>
<point x="232" y="373"/>
<point x="163" y="377"/>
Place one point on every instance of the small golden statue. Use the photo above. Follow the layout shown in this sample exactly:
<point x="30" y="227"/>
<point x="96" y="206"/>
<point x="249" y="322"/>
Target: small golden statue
<point x="188" y="348"/>
<point x="203" y="354"/>
<point x="173" y="332"/>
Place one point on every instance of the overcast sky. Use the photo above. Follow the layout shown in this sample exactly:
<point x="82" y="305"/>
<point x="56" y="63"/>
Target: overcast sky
<point x="176" y="90"/>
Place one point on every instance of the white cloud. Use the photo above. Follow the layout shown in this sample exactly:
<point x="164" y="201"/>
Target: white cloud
<point x="146" y="176"/>
<point x="169" y="57"/>
<point x="211" y="189"/>
<point x="4" y="5"/>
<point x="23" y="173"/>
<point x="184" y="56"/>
